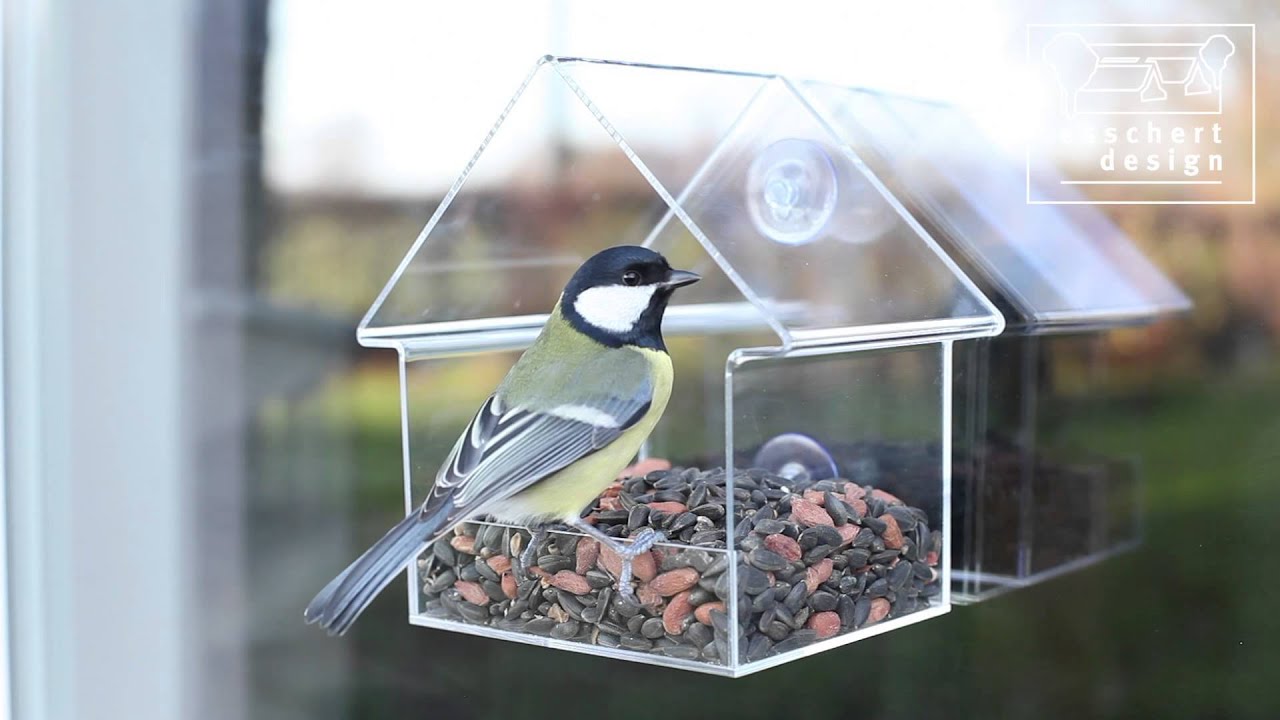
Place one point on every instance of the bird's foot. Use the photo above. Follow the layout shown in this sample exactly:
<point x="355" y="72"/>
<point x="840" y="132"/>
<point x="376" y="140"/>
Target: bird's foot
<point x="627" y="552"/>
<point x="528" y="556"/>
<point x="639" y="545"/>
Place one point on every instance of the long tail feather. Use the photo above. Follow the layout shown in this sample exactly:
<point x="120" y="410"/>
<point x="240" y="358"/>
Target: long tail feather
<point x="338" y="605"/>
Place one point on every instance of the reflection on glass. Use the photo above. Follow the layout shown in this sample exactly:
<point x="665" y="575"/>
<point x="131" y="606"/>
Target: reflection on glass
<point x="1059" y="265"/>
<point x="1031" y="499"/>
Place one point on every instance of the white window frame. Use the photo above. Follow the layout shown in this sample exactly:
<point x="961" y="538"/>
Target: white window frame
<point x="96" y="165"/>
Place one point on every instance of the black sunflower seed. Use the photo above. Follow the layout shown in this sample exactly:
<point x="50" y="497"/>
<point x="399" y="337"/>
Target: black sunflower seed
<point x="778" y="631"/>
<point x="899" y="575"/>
<point x="485" y="571"/>
<point x="910" y="551"/>
<point x="879" y="588"/>
<point x="906" y="519"/>
<point x="473" y="613"/>
<point x="637" y="517"/>
<point x="836" y="508"/>
<point x="445" y="553"/>
<point x="682" y="521"/>
<point x="567" y="544"/>
<point x="822" y="601"/>
<point x="798" y="639"/>
<point x="682" y="652"/>
<point x="714" y="511"/>
<point x="697" y="635"/>
<point x="630" y="641"/>
<point x="443" y="581"/>
<point x="652" y="628"/>
<point x="798" y="620"/>
<point x="861" y="611"/>
<point x="759" y="648"/>
<point x="820" y="535"/>
<point x="769" y="527"/>
<point x="555" y="563"/>
<point x="763" y="602"/>
<point x="767" y="560"/>
<point x="495" y="593"/>
<point x="490" y="537"/>
<point x="795" y="597"/>
<point x="708" y="538"/>
<point x="598" y="579"/>
<point x="845" y="608"/>
<point x="565" y="630"/>
<point x="669" y="496"/>
<point x="671" y="482"/>
<point x="698" y="495"/>
<point x="884" y="556"/>
<point x="753" y="580"/>
<point x="593" y="614"/>
<point x="877" y="525"/>
<point x="540" y="626"/>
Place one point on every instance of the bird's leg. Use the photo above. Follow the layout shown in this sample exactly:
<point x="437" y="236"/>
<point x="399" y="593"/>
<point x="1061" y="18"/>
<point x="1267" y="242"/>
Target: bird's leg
<point x="530" y="553"/>
<point x="627" y="551"/>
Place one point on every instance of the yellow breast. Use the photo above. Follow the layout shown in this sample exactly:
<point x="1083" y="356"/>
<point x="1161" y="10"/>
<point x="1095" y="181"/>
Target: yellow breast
<point x="563" y="495"/>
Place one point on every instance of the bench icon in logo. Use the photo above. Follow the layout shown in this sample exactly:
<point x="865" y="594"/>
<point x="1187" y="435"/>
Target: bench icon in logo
<point x="1139" y="78"/>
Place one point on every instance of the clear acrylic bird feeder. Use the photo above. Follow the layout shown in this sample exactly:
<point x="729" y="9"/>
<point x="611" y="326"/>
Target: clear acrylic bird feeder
<point x="810" y="427"/>
<point x="1029" y="503"/>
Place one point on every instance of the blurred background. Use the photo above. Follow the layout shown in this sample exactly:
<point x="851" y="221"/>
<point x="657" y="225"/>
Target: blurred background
<point x="202" y="198"/>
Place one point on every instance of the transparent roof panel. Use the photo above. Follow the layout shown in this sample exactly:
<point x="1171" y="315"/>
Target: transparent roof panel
<point x="1054" y="264"/>
<point x="732" y="175"/>
<point x="549" y="188"/>
<point x="671" y="118"/>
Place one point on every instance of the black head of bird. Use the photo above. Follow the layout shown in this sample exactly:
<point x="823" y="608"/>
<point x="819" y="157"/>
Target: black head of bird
<point x="619" y="295"/>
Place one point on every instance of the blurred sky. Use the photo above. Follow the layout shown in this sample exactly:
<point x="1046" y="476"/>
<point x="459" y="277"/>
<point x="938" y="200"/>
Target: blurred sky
<point x="393" y="96"/>
<point x="398" y="94"/>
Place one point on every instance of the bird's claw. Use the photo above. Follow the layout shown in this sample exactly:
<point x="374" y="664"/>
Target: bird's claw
<point x="627" y="552"/>
<point x="643" y="541"/>
<point x="639" y="545"/>
<point x="529" y="555"/>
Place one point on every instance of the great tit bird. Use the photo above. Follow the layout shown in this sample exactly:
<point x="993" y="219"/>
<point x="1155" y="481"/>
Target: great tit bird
<point x="567" y="419"/>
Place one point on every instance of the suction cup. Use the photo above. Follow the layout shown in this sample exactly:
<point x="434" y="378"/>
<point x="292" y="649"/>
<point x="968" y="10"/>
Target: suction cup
<point x="791" y="191"/>
<point x="796" y="457"/>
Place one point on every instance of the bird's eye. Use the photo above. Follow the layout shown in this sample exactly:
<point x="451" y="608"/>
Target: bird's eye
<point x="631" y="277"/>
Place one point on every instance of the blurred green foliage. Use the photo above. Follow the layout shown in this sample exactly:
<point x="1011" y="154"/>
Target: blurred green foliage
<point x="1184" y="627"/>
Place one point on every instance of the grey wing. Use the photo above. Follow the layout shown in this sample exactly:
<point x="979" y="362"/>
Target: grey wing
<point x="505" y="450"/>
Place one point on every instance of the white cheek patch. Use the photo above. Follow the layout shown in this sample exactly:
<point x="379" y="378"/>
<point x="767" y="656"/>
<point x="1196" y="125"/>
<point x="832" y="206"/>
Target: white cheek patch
<point x="615" y="308"/>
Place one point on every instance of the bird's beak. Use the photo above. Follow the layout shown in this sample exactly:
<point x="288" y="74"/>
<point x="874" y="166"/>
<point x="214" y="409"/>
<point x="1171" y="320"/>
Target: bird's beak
<point x="680" y="278"/>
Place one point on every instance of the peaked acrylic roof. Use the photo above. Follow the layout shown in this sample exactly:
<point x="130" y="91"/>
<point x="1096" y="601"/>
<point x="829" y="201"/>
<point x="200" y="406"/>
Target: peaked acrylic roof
<point x="1055" y="267"/>
<point x="734" y="175"/>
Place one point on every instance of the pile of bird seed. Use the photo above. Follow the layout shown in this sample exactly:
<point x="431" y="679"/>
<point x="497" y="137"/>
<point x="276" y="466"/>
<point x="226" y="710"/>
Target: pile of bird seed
<point x="816" y="559"/>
